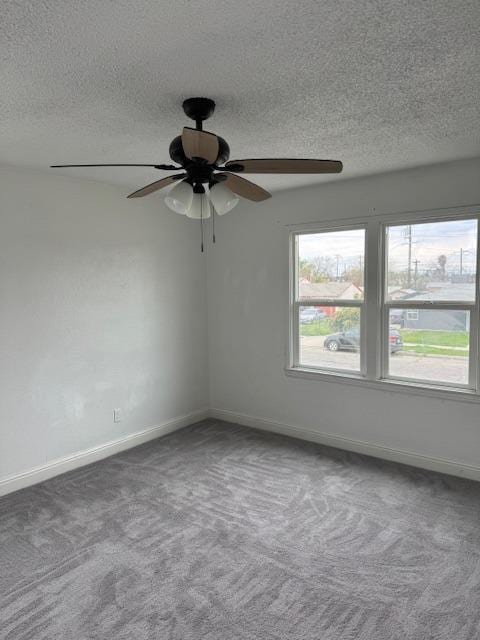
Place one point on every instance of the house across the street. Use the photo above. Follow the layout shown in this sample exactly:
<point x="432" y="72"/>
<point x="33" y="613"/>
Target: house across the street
<point x="432" y="319"/>
<point x="329" y="291"/>
<point x="436" y="319"/>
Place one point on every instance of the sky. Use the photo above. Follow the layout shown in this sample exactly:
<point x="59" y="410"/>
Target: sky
<point x="450" y="238"/>
<point x="348" y="244"/>
<point x="428" y="242"/>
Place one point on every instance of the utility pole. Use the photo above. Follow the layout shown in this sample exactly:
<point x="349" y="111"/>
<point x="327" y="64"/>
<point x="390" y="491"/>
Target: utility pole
<point x="409" y="235"/>
<point x="415" y="277"/>
<point x="461" y="261"/>
<point x="338" y="263"/>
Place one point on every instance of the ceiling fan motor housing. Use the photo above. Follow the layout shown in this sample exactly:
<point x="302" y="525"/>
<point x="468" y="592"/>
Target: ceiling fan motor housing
<point x="177" y="154"/>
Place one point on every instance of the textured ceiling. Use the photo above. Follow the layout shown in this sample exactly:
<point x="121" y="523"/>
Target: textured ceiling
<point x="379" y="84"/>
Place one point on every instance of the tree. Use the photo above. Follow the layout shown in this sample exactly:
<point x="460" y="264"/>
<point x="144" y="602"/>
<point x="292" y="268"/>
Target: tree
<point x="346" y="318"/>
<point x="442" y="261"/>
<point x="355" y="275"/>
<point x="312" y="270"/>
<point x="305" y="270"/>
<point x="400" y="279"/>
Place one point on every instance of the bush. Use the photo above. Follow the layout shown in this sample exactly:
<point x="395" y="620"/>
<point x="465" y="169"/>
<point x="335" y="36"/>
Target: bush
<point x="345" y="319"/>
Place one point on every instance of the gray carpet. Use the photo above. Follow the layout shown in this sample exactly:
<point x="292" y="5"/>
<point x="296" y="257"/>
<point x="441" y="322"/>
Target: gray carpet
<point x="219" y="532"/>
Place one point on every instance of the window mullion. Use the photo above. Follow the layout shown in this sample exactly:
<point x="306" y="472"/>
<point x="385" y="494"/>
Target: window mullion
<point x="372" y="329"/>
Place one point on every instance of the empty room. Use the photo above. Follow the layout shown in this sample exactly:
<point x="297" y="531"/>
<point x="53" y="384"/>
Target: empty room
<point x="239" y="320"/>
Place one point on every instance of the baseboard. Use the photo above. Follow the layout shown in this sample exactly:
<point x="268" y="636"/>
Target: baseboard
<point x="358" y="446"/>
<point x="82" y="458"/>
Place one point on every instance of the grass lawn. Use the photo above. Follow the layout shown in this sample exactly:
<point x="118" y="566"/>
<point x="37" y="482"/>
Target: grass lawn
<point x="317" y="328"/>
<point x="436" y="338"/>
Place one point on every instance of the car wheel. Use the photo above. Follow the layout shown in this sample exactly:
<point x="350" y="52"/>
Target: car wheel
<point x="333" y="345"/>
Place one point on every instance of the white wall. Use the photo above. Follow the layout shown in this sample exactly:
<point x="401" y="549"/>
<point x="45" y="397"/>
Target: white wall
<point x="247" y="285"/>
<point x="102" y="305"/>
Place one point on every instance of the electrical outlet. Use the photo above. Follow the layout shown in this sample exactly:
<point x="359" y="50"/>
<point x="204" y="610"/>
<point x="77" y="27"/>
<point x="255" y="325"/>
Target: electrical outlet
<point x="117" y="415"/>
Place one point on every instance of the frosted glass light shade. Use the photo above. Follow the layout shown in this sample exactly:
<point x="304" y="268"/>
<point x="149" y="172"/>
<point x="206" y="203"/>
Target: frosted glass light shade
<point x="179" y="199"/>
<point x="200" y="207"/>
<point x="222" y="198"/>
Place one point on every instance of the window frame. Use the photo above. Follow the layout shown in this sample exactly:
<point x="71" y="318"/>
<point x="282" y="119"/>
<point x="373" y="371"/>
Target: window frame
<point x="297" y="303"/>
<point x="375" y="308"/>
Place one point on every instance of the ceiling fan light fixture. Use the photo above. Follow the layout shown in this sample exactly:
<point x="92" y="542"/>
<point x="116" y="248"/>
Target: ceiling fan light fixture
<point x="180" y="198"/>
<point x="222" y="198"/>
<point x="200" y="208"/>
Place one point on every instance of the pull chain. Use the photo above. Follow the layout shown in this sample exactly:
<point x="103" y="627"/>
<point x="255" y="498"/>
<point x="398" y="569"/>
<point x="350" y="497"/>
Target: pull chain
<point x="201" y="222"/>
<point x="213" y="224"/>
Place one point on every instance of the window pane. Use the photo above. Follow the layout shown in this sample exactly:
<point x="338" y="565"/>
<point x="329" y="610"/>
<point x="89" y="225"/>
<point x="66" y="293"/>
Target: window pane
<point x="331" y="264"/>
<point x="433" y="261"/>
<point x="429" y="344"/>
<point x="330" y="337"/>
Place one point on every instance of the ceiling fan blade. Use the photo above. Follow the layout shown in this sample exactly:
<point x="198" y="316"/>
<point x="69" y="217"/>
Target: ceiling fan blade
<point x="155" y="186"/>
<point x="244" y="188"/>
<point x="200" y="144"/>
<point x="167" y="167"/>
<point x="284" y="165"/>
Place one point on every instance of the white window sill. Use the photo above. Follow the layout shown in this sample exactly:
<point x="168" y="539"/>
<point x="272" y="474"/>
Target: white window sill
<point x="412" y="388"/>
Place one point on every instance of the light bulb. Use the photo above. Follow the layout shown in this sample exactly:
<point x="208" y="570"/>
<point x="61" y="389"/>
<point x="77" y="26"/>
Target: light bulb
<point x="222" y="198"/>
<point x="180" y="197"/>
<point x="200" y="207"/>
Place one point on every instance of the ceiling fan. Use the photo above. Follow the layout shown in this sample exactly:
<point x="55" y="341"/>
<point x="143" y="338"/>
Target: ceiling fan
<point x="200" y="155"/>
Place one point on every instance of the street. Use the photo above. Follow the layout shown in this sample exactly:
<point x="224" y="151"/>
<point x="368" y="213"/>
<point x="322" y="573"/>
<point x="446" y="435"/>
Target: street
<point x="403" y="364"/>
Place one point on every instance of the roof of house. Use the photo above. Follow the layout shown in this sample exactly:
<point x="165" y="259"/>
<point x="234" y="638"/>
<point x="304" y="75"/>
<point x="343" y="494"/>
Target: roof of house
<point x="446" y="291"/>
<point x="327" y="290"/>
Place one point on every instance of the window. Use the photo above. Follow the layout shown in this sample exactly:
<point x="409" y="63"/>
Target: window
<point x="330" y="299"/>
<point x="332" y="339"/>
<point x="431" y="271"/>
<point x="412" y="318"/>
<point x="435" y="347"/>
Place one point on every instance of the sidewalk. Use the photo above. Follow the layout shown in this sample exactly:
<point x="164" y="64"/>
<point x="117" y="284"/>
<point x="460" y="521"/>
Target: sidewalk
<point x="435" y="346"/>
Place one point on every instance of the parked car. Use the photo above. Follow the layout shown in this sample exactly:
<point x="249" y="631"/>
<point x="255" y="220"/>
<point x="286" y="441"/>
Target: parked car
<point x="395" y="340"/>
<point x="311" y="314"/>
<point x="350" y="340"/>
<point x="397" y="316"/>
